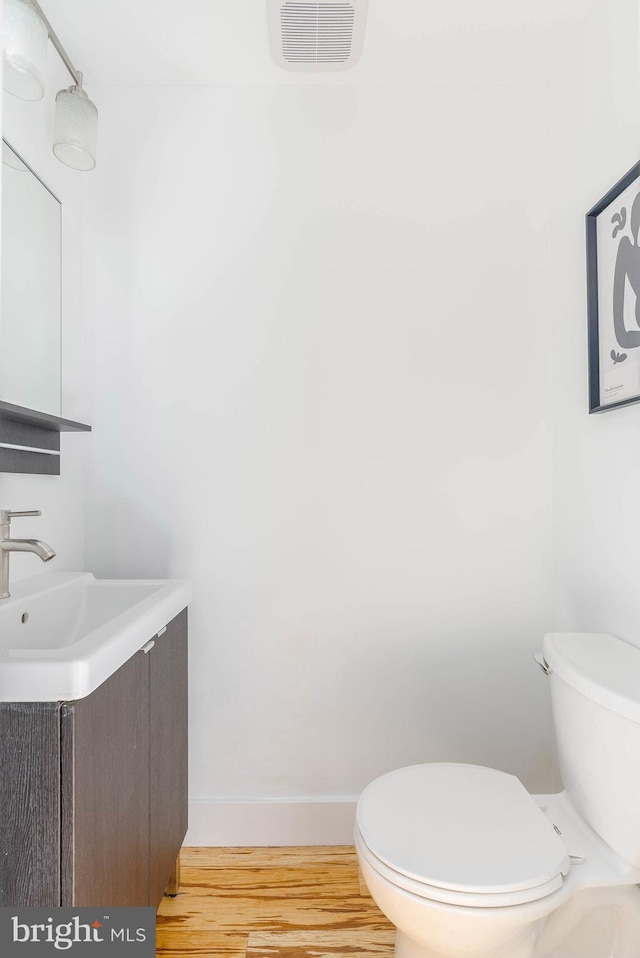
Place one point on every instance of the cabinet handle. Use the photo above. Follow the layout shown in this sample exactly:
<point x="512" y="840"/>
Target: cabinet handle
<point x="161" y="632"/>
<point x="149" y="645"/>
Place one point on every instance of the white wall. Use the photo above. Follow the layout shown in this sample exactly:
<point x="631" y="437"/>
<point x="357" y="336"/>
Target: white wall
<point x="29" y="128"/>
<point x="322" y="392"/>
<point x="595" y="135"/>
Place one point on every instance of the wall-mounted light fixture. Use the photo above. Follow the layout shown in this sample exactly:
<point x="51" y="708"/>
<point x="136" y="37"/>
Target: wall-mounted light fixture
<point x="26" y="31"/>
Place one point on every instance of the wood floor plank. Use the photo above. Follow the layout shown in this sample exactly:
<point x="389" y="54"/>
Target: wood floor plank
<point x="363" y="942"/>
<point x="174" y="943"/>
<point x="311" y="880"/>
<point x="267" y="856"/>
<point x="229" y="914"/>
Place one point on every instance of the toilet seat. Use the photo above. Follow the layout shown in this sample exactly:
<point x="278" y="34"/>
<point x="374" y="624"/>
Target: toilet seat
<point x="449" y="896"/>
<point x="460" y="834"/>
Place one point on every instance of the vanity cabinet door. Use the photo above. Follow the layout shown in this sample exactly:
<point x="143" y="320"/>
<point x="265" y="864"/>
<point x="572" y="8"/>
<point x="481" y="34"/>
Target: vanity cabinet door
<point x="168" y="753"/>
<point x="29" y="804"/>
<point x="105" y="791"/>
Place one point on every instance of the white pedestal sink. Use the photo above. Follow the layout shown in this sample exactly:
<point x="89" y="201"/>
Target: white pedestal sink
<point x="62" y="634"/>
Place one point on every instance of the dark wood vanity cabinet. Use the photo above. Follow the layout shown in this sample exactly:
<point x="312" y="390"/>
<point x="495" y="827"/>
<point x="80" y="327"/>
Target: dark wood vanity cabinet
<point x="168" y="758"/>
<point x="94" y="792"/>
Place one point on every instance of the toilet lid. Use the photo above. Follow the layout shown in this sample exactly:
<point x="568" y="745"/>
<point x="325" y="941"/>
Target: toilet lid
<point x="461" y="827"/>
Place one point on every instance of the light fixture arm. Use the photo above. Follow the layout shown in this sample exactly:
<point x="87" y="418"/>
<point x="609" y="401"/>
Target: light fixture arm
<point x="62" y="53"/>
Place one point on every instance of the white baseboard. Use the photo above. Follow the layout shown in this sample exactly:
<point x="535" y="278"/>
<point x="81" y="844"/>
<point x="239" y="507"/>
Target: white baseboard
<point x="271" y="823"/>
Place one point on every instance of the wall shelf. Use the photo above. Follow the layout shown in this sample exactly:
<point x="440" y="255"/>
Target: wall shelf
<point x="43" y="420"/>
<point x="30" y="440"/>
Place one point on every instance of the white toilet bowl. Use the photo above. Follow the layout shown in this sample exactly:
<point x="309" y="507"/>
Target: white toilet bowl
<point x="466" y="864"/>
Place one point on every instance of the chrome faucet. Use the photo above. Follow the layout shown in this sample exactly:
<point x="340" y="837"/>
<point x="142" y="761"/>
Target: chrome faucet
<point x="8" y="545"/>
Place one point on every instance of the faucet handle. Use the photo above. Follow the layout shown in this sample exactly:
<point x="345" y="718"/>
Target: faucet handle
<point x="6" y="515"/>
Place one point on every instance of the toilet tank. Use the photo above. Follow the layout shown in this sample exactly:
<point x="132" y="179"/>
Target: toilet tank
<point x="595" y="697"/>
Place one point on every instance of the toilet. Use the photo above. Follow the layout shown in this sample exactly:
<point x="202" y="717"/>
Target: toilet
<point x="467" y="864"/>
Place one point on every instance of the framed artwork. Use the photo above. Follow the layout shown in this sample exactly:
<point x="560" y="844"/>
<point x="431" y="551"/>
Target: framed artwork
<point x="613" y="295"/>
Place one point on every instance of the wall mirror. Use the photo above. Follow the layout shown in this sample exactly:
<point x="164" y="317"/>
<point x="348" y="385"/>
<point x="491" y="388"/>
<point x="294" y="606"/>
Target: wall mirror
<point x="30" y="294"/>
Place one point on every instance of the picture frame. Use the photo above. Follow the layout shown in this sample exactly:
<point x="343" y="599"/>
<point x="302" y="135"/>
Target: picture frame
<point x="613" y="295"/>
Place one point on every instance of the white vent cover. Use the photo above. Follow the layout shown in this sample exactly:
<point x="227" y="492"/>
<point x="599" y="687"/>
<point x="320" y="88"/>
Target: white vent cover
<point x="316" y="36"/>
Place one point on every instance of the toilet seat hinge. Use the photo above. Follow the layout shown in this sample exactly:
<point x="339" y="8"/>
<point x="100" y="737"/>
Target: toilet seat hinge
<point x="542" y="662"/>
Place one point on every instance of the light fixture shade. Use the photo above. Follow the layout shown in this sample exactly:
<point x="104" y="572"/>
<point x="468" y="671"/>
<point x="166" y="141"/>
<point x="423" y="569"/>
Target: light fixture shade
<point x="75" y="129"/>
<point x="25" y="50"/>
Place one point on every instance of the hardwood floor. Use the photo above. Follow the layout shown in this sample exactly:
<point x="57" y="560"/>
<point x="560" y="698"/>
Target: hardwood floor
<point x="272" y="903"/>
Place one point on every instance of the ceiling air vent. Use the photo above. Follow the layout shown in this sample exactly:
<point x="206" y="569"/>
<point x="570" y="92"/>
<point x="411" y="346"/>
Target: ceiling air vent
<point x="316" y="36"/>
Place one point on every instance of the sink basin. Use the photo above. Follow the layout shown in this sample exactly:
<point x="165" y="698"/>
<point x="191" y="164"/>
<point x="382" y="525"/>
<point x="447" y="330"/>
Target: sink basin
<point x="63" y="633"/>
